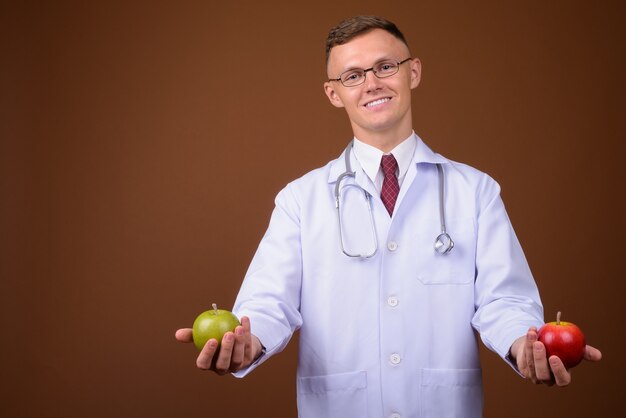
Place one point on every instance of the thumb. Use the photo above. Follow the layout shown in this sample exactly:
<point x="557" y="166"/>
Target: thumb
<point x="592" y="354"/>
<point x="184" y="335"/>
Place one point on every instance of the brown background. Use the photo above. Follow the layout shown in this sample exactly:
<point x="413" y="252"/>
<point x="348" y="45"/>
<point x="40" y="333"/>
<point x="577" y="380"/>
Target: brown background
<point x="124" y="126"/>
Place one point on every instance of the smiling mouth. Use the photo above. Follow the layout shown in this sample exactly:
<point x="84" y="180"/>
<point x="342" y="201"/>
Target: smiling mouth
<point x="377" y="102"/>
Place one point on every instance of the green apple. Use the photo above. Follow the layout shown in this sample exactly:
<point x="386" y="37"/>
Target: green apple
<point x="213" y="324"/>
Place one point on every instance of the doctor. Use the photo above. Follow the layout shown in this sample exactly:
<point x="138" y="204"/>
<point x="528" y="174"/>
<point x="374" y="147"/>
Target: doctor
<point x="392" y="332"/>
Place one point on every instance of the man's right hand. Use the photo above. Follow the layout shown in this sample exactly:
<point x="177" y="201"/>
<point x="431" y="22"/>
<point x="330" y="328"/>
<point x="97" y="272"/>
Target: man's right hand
<point x="238" y="350"/>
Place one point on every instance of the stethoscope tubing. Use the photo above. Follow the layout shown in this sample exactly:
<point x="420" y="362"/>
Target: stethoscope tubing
<point x="443" y="242"/>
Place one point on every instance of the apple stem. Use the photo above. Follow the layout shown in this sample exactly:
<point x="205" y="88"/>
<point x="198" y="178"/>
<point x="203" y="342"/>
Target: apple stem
<point x="215" y="308"/>
<point x="558" y="317"/>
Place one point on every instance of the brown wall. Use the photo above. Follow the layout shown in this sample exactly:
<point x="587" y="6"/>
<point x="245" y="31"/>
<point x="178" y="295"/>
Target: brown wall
<point x="126" y="127"/>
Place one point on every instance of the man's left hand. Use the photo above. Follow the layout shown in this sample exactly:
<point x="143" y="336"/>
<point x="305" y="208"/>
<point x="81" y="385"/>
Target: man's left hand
<point x="532" y="362"/>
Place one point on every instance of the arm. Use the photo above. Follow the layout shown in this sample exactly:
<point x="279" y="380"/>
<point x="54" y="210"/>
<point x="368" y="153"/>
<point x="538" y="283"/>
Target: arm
<point x="533" y="364"/>
<point x="270" y="292"/>
<point x="508" y="303"/>
<point x="506" y="297"/>
<point x="269" y="295"/>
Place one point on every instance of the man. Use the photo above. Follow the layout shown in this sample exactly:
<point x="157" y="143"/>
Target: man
<point x="387" y="322"/>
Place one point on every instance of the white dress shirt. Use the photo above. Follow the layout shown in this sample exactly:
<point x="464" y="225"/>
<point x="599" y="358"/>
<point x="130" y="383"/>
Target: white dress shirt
<point x="369" y="157"/>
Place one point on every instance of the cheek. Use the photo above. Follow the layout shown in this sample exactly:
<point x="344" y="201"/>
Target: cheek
<point x="350" y="100"/>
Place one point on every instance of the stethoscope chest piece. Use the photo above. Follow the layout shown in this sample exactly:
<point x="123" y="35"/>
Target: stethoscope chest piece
<point x="444" y="244"/>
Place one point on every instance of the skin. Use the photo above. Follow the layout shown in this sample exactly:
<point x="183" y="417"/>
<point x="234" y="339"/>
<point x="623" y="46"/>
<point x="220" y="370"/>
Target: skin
<point x="383" y="126"/>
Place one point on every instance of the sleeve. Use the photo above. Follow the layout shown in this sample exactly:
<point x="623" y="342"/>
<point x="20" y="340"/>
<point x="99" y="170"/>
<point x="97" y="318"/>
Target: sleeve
<point x="270" y="293"/>
<point x="507" y="299"/>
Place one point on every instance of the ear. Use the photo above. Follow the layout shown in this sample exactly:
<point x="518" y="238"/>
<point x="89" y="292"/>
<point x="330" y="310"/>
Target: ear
<point x="332" y="95"/>
<point x="416" y="72"/>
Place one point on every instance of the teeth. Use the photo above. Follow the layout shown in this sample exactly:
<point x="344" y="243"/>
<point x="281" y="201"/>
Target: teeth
<point x="377" y="102"/>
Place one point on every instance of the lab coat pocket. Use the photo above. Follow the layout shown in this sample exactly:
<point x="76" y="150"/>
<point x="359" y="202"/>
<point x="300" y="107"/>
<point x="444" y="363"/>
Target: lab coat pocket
<point x="456" y="267"/>
<point x="451" y="393"/>
<point x="339" y="395"/>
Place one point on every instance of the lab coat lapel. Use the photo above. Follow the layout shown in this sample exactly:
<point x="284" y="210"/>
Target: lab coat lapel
<point x="406" y="184"/>
<point x="423" y="154"/>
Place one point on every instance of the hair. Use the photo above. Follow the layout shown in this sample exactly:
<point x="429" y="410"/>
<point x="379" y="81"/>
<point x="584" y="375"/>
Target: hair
<point x="352" y="27"/>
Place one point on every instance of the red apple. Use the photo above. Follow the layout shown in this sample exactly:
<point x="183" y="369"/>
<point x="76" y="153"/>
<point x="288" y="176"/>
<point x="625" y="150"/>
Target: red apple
<point x="213" y="324"/>
<point x="564" y="340"/>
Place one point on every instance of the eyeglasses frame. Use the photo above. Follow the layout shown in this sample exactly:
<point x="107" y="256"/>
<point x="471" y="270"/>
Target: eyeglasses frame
<point x="398" y="64"/>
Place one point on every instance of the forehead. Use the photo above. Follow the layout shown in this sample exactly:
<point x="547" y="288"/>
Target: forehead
<point x="366" y="49"/>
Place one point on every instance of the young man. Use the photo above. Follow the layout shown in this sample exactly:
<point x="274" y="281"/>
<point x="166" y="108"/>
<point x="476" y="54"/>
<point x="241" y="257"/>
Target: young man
<point x="387" y="314"/>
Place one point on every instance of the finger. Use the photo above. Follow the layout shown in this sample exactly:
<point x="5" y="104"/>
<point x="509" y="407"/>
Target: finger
<point x="542" y="369"/>
<point x="205" y="358"/>
<point x="531" y="337"/>
<point x="561" y="376"/>
<point x="247" y="357"/>
<point x="592" y="354"/>
<point x="237" y="358"/>
<point x="222" y="364"/>
<point x="184" y="335"/>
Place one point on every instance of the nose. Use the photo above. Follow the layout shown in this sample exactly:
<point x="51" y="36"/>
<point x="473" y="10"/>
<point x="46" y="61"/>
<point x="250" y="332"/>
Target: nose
<point x="371" y="81"/>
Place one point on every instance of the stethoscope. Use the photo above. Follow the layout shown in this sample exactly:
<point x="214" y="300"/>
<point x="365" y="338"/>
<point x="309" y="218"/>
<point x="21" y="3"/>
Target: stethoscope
<point x="443" y="242"/>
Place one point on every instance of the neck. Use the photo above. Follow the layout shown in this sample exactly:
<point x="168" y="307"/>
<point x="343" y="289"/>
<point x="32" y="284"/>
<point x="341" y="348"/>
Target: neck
<point x="384" y="141"/>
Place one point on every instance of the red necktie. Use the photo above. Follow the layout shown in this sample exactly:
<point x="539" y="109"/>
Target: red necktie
<point x="390" y="190"/>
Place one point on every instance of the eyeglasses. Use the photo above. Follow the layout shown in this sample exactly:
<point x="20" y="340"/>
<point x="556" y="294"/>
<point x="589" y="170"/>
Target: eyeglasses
<point x="356" y="76"/>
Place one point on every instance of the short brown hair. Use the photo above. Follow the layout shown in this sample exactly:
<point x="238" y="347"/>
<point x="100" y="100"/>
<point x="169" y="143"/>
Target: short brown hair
<point x="352" y="27"/>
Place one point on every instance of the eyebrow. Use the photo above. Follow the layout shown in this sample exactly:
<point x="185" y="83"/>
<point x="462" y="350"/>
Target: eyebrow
<point x="375" y="62"/>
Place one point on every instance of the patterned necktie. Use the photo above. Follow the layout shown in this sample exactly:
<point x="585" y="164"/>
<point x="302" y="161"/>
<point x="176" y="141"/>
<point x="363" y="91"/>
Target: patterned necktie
<point x="390" y="190"/>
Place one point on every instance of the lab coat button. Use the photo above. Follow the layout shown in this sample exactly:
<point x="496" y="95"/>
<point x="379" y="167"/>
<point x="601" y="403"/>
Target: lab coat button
<point x="392" y="301"/>
<point x="392" y="246"/>
<point x="395" y="358"/>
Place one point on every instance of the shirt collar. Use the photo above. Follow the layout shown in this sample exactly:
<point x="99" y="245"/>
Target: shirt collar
<point x="369" y="157"/>
<point x="422" y="154"/>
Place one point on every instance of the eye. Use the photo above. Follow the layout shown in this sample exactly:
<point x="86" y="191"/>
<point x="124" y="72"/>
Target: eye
<point x="386" y="67"/>
<point x="351" y="76"/>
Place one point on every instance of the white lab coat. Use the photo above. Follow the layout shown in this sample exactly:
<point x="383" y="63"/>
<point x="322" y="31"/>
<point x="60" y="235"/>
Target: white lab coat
<point x="395" y="333"/>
